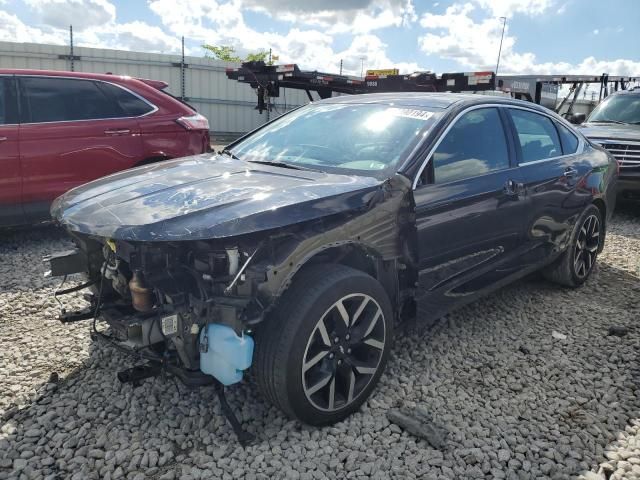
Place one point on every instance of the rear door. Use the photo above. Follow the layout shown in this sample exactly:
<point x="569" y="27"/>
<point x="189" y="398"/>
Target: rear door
<point x="553" y="176"/>
<point x="10" y="176"/>
<point x="74" y="133"/>
<point x="469" y="213"/>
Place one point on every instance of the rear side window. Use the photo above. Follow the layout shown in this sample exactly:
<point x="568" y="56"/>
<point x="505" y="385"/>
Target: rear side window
<point x="62" y="99"/>
<point x="568" y="139"/>
<point x="537" y="135"/>
<point x="8" y="103"/>
<point x="475" y="145"/>
<point x="128" y="104"/>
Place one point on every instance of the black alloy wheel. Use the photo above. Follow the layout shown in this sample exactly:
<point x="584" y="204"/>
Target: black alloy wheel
<point x="321" y="352"/>
<point x="586" y="247"/>
<point x="343" y="352"/>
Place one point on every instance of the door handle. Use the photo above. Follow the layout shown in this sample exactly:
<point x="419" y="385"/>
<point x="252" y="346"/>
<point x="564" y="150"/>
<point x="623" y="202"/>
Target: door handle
<point x="117" y="131"/>
<point x="2" y="139"/>
<point x="513" y="188"/>
<point x="570" y="172"/>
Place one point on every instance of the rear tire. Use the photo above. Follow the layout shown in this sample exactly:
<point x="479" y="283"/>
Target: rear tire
<point x="323" y="350"/>
<point x="577" y="262"/>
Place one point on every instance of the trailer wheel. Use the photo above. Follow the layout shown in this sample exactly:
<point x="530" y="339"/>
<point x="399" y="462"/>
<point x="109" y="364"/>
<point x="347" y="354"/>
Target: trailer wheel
<point x="321" y="353"/>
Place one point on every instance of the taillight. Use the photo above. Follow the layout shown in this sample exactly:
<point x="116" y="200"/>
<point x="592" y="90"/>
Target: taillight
<point x="194" y="122"/>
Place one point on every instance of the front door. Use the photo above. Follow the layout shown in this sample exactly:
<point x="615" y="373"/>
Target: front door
<point x="469" y="214"/>
<point x="73" y="134"/>
<point x="10" y="176"/>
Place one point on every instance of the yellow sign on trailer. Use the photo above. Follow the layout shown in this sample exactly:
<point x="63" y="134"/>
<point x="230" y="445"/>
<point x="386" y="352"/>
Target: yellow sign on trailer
<point x="386" y="71"/>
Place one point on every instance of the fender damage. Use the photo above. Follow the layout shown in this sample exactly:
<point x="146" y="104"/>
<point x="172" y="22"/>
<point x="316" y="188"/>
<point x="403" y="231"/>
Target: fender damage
<point x="168" y="257"/>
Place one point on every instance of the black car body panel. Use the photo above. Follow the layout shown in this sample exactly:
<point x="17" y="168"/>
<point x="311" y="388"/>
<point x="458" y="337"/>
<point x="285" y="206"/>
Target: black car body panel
<point x="220" y="240"/>
<point x="204" y="197"/>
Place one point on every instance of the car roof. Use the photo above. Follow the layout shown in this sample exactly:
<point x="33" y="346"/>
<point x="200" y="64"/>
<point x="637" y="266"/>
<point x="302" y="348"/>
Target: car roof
<point x="62" y="73"/>
<point x="441" y="100"/>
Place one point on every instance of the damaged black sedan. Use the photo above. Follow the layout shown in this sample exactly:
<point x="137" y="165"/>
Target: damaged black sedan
<point x="299" y="249"/>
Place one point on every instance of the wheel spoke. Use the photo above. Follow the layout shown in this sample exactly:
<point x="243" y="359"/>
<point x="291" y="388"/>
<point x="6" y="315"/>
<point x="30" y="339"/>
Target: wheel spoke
<point x="362" y="306"/>
<point x="320" y="384"/>
<point x="314" y="360"/>
<point x="332" y="393"/>
<point x="365" y="370"/>
<point x="323" y="332"/>
<point x="577" y="260"/>
<point x="343" y="313"/>
<point x="352" y="386"/>
<point x="372" y="325"/>
<point x="374" y="343"/>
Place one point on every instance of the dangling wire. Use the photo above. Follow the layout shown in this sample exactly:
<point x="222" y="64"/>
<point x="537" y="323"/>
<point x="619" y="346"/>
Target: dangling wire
<point x="57" y="290"/>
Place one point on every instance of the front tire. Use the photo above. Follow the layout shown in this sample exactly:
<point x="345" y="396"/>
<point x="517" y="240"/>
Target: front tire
<point x="577" y="262"/>
<point x="323" y="350"/>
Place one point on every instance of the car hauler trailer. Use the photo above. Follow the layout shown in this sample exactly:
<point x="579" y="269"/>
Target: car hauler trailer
<point x="541" y="89"/>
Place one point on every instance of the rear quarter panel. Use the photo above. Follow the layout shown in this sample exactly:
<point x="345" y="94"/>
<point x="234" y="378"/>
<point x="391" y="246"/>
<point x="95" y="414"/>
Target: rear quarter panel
<point x="162" y="136"/>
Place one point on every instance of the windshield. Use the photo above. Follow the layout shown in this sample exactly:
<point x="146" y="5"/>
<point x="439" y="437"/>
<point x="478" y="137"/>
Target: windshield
<point x="623" y="108"/>
<point x="364" y="138"/>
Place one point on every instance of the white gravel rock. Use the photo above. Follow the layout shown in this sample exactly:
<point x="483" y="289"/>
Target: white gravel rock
<point x="517" y="402"/>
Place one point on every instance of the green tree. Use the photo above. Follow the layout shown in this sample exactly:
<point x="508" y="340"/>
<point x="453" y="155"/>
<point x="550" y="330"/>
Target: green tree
<point x="228" y="54"/>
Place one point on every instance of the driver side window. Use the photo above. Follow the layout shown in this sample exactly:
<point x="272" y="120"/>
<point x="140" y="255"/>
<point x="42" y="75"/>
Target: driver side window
<point x="474" y="145"/>
<point x="537" y="135"/>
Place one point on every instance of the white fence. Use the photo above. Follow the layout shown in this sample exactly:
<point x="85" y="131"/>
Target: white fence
<point x="229" y="105"/>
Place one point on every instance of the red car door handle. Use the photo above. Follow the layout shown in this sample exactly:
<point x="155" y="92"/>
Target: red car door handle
<point x="117" y="131"/>
<point x="2" y="139"/>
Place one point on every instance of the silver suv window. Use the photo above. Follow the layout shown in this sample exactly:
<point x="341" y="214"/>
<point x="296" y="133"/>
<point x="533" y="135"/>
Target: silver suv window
<point x="621" y="108"/>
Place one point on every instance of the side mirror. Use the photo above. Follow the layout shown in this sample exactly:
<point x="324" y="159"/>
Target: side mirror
<point x="577" y="118"/>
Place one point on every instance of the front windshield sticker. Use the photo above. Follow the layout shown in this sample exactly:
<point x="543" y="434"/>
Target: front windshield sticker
<point x="411" y="113"/>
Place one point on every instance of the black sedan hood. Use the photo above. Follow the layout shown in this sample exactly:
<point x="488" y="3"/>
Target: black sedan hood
<point x="206" y="196"/>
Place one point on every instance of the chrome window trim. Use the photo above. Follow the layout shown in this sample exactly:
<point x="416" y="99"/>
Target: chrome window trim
<point x="579" y="150"/>
<point x="153" y="110"/>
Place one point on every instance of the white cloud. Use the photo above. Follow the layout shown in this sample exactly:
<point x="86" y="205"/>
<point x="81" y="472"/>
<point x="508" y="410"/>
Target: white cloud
<point x="12" y="29"/>
<point x="512" y="7"/>
<point x="339" y="16"/>
<point x="143" y="37"/>
<point x="311" y="48"/>
<point x="474" y="45"/>
<point x="458" y="37"/>
<point x="81" y="14"/>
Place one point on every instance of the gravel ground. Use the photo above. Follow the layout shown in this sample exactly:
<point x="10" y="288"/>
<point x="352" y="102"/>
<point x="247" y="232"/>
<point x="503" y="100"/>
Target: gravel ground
<point x="518" y="400"/>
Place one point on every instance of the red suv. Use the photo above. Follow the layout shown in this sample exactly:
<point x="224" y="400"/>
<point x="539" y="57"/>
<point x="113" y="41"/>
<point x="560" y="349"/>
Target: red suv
<point x="59" y="130"/>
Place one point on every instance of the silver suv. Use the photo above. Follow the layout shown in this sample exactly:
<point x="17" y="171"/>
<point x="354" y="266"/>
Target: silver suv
<point x="615" y="125"/>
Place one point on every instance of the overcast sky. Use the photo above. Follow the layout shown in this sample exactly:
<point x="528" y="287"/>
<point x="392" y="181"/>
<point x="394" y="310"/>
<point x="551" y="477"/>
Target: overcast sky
<point x="542" y="36"/>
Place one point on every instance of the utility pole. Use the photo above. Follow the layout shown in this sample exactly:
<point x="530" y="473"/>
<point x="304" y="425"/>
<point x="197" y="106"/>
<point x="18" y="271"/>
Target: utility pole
<point x="269" y="56"/>
<point x="71" y="47"/>
<point x="182" y="79"/>
<point x="362" y="66"/>
<point x="504" y="23"/>
<point x="340" y="66"/>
